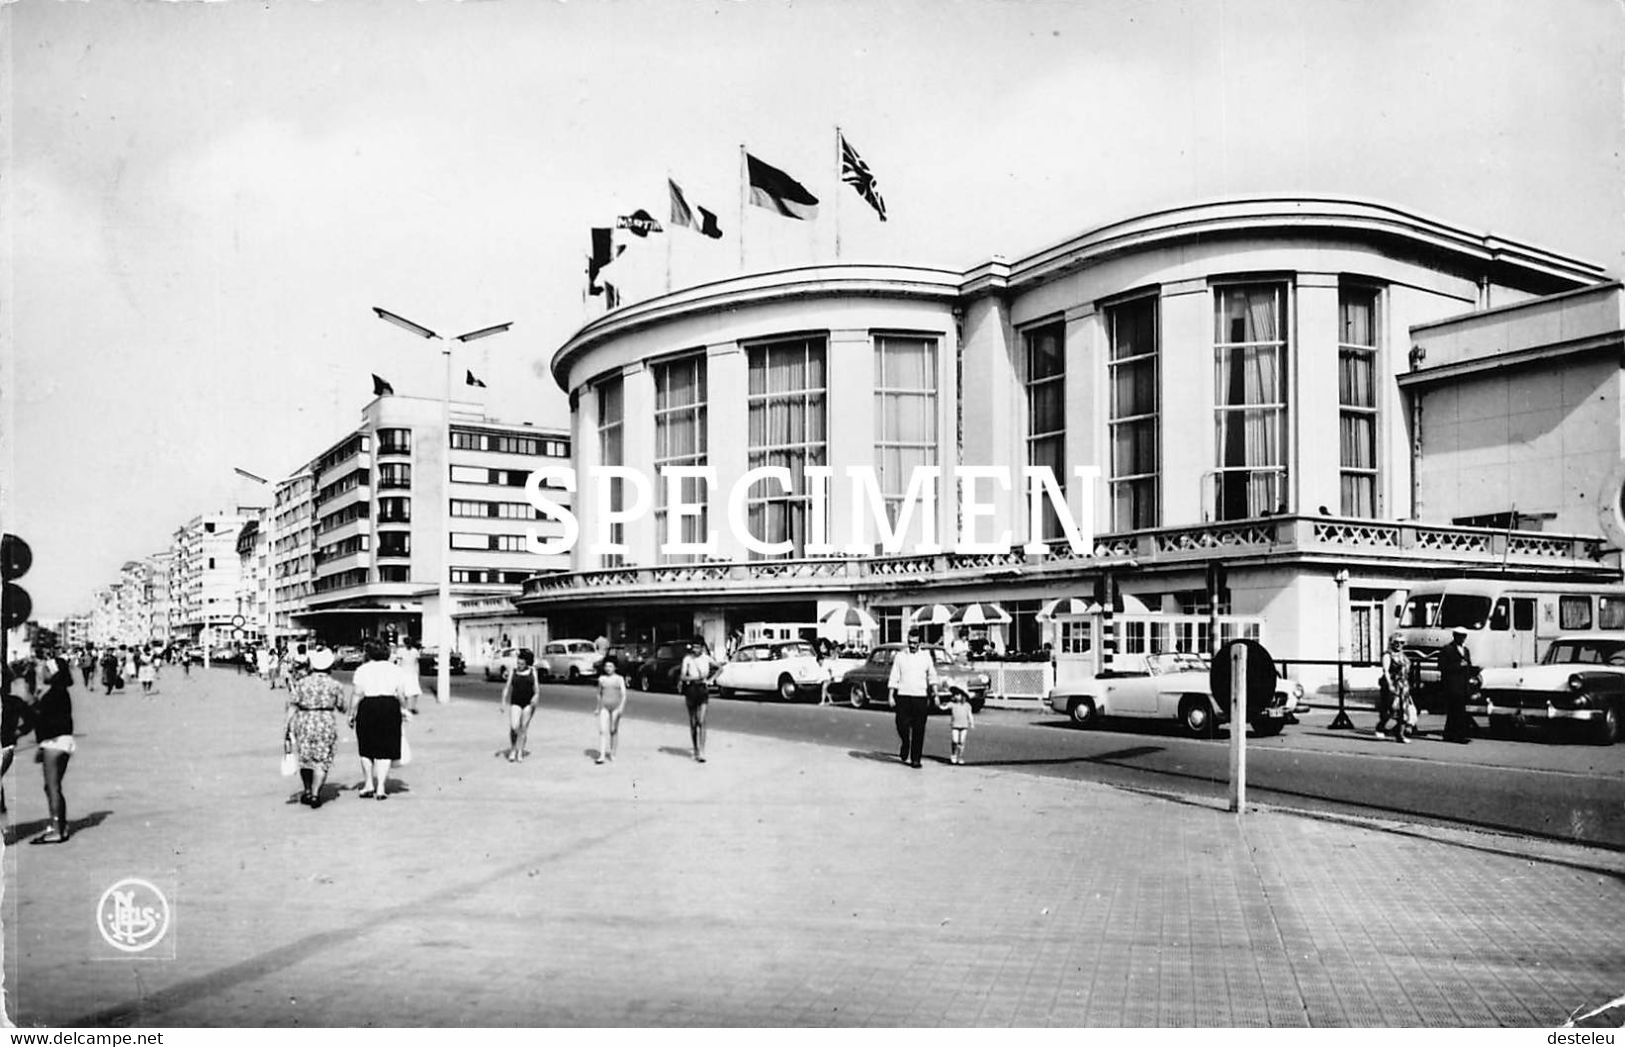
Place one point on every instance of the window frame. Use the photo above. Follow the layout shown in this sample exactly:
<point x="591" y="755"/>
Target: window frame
<point x="1373" y="411"/>
<point x="1281" y="407"/>
<point x="1114" y="421"/>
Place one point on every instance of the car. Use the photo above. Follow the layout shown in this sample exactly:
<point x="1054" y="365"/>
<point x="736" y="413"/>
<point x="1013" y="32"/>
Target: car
<point x="787" y="668"/>
<point x="225" y="654"/>
<point x="568" y="659"/>
<point x="867" y="683"/>
<point x="1171" y="687"/>
<point x="348" y="656"/>
<point x="502" y="663"/>
<point x="658" y="670"/>
<point x="1581" y="680"/>
<point x="429" y="665"/>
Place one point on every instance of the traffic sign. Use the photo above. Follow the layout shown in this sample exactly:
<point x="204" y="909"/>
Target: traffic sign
<point x="15" y="558"/>
<point x="1260" y="675"/>
<point x="18" y="606"/>
<point x="238" y="620"/>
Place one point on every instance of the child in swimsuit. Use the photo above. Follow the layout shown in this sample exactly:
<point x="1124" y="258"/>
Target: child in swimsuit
<point x="960" y="721"/>
<point x="611" y="702"/>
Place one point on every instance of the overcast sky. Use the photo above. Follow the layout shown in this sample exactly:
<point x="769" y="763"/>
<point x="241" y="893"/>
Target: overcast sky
<point x="206" y="200"/>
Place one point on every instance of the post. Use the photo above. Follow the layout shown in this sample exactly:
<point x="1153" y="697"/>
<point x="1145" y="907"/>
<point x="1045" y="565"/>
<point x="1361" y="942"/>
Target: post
<point x="208" y="642"/>
<point x="1341" y="721"/>
<point x="442" y="684"/>
<point x="1238" y="728"/>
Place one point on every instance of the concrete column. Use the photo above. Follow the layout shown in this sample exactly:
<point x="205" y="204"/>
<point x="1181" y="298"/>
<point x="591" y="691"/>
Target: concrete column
<point x="1086" y="412"/>
<point x="994" y="413"/>
<point x="637" y="452"/>
<point x="584" y="455"/>
<point x="1313" y="412"/>
<point x="1185" y="380"/>
<point x="727" y="436"/>
<point x="850" y="433"/>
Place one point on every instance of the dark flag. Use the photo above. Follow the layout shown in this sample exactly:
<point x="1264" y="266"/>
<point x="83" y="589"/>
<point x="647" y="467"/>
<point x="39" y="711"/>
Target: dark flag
<point x="856" y="173"/>
<point x="475" y="381"/>
<point x="639" y="223"/>
<point x="682" y="214"/>
<point x="381" y="387"/>
<point x="604" y="251"/>
<point x="773" y="189"/>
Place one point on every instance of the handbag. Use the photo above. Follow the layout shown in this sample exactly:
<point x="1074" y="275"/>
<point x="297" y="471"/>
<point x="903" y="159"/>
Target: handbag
<point x="290" y="764"/>
<point x="406" y="752"/>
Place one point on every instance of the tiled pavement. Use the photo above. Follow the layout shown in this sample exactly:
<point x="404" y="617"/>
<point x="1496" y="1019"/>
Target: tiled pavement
<point x="778" y="884"/>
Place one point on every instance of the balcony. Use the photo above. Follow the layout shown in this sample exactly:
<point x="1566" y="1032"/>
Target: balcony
<point x="1418" y="550"/>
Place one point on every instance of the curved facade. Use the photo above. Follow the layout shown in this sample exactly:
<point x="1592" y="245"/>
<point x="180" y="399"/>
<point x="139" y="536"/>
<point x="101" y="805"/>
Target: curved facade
<point x="1230" y="370"/>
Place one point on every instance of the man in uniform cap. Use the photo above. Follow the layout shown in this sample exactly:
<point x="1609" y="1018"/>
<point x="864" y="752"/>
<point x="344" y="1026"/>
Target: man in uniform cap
<point x="1455" y="676"/>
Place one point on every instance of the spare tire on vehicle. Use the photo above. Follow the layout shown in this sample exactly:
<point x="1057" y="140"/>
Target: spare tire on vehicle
<point x="1260" y="670"/>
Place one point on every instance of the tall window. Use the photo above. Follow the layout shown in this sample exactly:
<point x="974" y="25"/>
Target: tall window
<point x="905" y="413"/>
<point x="680" y="439"/>
<point x="1132" y="371"/>
<point x="1357" y="399"/>
<point x="1046" y="412"/>
<point x="611" y="420"/>
<point x="785" y="406"/>
<point x="1250" y="357"/>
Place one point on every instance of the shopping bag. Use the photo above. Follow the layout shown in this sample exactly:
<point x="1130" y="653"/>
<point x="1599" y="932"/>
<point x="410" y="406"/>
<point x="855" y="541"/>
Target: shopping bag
<point x="406" y="751"/>
<point x="290" y="764"/>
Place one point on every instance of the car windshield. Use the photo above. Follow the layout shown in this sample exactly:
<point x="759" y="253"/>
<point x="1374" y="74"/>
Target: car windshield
<point x="1176" y="662"/>
<point x="1586" y="652"/>
<point x="795" y="650"/>
<point x="1468" y="611"/>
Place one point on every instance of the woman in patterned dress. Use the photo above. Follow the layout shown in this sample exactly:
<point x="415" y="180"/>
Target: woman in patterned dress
<point x="314" y="702"/>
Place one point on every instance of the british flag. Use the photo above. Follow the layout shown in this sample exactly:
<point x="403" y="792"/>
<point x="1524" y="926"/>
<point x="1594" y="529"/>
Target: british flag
<point x="856" y="173"/>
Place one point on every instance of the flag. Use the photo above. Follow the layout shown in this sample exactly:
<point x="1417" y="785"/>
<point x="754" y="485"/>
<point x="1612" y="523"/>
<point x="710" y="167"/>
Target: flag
<point x="639" y="222"/>
<point x="475" y="381"/>
<point x="856" y="173"/>
<point x="604" y="251"/>
<point x="773" y="189"/>
<point x="683" y="214"/>
<point x="381" y="387"/>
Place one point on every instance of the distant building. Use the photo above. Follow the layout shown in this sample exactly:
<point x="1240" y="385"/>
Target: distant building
<point x="253" y="579"/>
<point x="207" y="573"/>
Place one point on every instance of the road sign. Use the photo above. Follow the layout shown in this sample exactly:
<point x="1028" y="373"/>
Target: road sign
<point x="18" y="606"/>
<point x="15" y="558"/>
<point x="238" y="621"/>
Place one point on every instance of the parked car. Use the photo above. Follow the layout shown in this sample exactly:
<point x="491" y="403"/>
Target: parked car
<point x="568" y="659"/>
<point x="787" y="668"/>
<point x="866" y="684"/>
<point x="229" y="655"/>
<point x="1580" y="681"/>
<point x="502" y="663"/>
<point x="658" y="670"/>
<point x="348" y="656"/>
<point x="429" y="665"/>
<point x="1166" y="687"/>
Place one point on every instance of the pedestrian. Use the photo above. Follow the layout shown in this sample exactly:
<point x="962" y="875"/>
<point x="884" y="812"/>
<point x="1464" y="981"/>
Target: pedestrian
<point x="87" y="665"/>
<point x="911" y="688"/>
<point x="694" y="680"/>
<point x="273" y="666"/>
<point x="147" y="673"/>
<point x="310" y="728"/>
<point x="406" y="660"/>
<point x="110" y="676"/>
<point x="376" y="713"/>
<point x="611" y="703"/>
<point x="1455" y="677"/>
<point x="519" y="703"/>
<point x="826" y="655"/>
<point x="53" y="735"/>
<point x="960" y="721"/>
<point x="16" y="719"/>
<point x="127" y="667"/>
<point x="1396" y="687"/>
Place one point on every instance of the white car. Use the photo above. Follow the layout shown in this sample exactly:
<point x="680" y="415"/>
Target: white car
<point x="502" y="663"/>
<point x="568" y="659"/>
<point x="787" y="668"/>
<point x="1165" y="687"/>
<point x="1581" y="680"/>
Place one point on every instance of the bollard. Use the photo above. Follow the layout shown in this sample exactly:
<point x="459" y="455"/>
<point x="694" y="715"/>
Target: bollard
<point x="1238" y="729"/>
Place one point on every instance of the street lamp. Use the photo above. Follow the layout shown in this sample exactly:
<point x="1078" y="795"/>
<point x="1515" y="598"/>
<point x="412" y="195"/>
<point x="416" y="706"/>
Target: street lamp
<point x="442" y="690"/>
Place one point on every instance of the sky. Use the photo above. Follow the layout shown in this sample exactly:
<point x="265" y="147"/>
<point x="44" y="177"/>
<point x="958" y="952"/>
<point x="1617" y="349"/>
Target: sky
<point x="204" y="201"/>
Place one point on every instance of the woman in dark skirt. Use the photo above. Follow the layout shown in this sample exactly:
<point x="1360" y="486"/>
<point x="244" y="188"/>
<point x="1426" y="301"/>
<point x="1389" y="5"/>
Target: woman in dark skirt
<point x="376" y="715"/>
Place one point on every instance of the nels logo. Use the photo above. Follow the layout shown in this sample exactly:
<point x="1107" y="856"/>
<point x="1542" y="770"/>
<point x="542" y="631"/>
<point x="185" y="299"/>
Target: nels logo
<point x="133" y="915"/>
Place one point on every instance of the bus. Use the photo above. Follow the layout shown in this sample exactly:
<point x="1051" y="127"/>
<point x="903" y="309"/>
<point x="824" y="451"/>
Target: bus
<point x="1508" y="623"/>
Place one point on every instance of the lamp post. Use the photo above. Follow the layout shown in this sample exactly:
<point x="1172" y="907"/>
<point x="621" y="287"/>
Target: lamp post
<point x="442" y="690"/>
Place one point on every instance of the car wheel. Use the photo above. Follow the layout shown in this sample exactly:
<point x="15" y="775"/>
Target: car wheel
<point x="858" y="694"/>
<point x="1268" y="728"/>
<point x="977" y="703"/>
<point x="1501" y="727"/>
<point x="725" y="693"/>
<point x="1082" y="712"/>
<point x="787" y="689"/>
<point x="575" y="675"/>
<point x="1196" y="716"/>
<point x="640" y="682"/>
<point x="1606" y="730"/>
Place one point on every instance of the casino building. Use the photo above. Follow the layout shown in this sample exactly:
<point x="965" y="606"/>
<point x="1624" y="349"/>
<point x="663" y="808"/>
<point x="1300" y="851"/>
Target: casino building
<point x="1252" y="379"/>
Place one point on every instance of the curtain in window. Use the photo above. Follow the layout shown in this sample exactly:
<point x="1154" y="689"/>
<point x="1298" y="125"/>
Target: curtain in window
<point x="1250" y="384"/>
<point x="785" y="427"/>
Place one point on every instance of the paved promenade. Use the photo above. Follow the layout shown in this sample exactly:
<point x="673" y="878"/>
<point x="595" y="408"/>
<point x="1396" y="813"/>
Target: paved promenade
<point x="778" y="884"/>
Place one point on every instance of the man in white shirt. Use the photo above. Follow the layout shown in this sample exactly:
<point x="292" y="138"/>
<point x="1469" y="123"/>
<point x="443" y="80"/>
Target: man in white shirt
<point x="912" y="686"/>
<point x="694" y="680"/>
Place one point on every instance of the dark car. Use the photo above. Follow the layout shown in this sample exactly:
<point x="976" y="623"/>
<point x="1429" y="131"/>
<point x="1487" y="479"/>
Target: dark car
<point x="427" y="665"/>
<point x="866" y="685"/>
<point x="658" y="671"/>
<point x="628" y="656"/>
<point x="348" y="656"/>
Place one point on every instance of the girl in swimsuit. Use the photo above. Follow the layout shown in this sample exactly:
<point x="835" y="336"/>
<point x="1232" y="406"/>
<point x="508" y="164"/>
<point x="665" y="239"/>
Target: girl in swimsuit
<point x="519" y="702"/>
<point x="611" y="703"/>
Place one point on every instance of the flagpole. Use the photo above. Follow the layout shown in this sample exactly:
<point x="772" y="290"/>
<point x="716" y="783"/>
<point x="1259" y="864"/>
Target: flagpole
<point x="670" y="234"/>
<point x="744" y="177"/>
